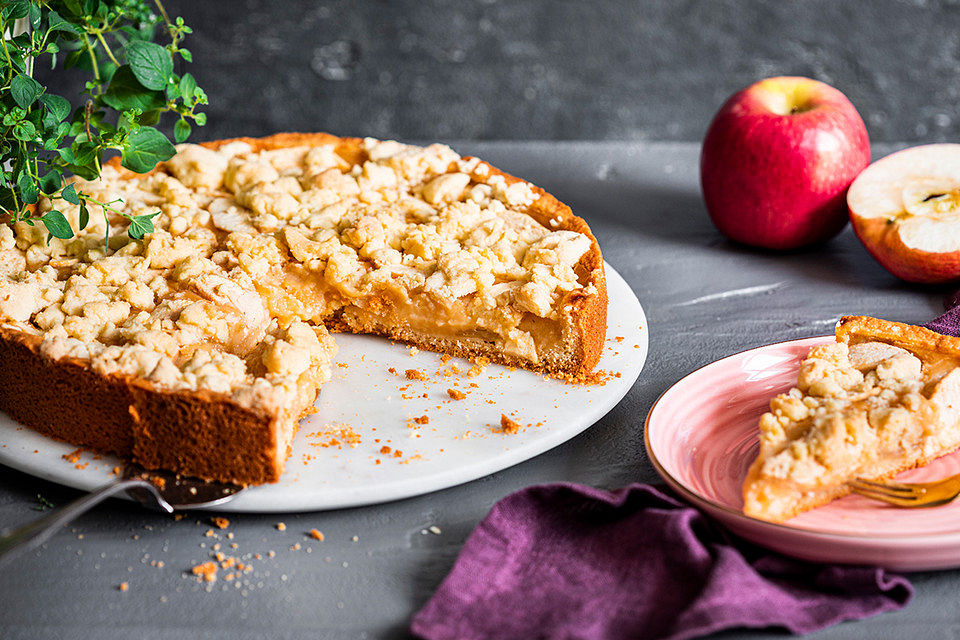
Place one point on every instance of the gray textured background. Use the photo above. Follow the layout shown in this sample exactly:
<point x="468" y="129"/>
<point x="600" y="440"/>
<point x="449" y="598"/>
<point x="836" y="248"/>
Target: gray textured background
<point x="615" y="71"/>
<point x="562" y="69"/>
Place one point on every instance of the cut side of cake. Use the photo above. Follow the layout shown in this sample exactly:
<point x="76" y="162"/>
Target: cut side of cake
<point x="198" y="349"/>
<point x="885" y="397"/>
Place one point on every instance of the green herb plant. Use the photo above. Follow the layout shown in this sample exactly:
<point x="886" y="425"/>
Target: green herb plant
<point x="131" y="83"/>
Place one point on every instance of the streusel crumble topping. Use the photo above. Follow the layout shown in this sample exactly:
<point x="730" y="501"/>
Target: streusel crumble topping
<point x="853" y="405"/>
<point x="254" y="250"/>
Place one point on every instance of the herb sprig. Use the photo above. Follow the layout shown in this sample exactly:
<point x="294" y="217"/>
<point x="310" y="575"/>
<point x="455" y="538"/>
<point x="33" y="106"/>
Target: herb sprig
<point x="132" y="84"/>
<point x="42" y="503"/>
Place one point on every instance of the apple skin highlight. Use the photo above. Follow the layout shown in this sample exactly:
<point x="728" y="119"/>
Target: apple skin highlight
<point x="777" y="161"/>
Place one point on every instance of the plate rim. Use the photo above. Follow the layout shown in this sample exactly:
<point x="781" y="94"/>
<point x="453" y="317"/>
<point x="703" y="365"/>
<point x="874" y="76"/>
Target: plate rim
<point x="738" y="516"/>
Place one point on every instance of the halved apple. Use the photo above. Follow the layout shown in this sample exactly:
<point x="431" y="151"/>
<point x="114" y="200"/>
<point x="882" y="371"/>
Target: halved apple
<point x="905" y="208"/>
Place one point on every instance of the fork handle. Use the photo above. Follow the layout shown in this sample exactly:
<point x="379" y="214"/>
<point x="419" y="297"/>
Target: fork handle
<point x="32" y="535"/>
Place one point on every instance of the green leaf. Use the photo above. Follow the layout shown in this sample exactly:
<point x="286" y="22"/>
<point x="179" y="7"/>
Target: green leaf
<point x="84" y="215"/>
<point x="151" y="64"/>
<point x="35" y="16"/>
<point x="74" y="58"/>
<point x="84" y="171"/>
<point x="200" y="119"/>
<point x="25" y="90"/>
<point x="16" y="10"/>
<point x="181" y="131"/>
<point x="22" y="41"/>
<point x="24" y="131"/>
<point x="150" y="118"/>
<point x="28" y="190"/>
<point x="125" y="92"/>
<point x="57" y="106"/>
<point x="69" y="194"/>
<point x="57" y="224"/>
<point x="144" y="148"/>
<point x="50" y="182"/>
<point x="57" y="23"/>
<point x="141" y="225"/>
<point x="66" y="154"/>
<point x="14" y="116"/>
<point x="185" y="54"/>
<point x="188" y="85"/>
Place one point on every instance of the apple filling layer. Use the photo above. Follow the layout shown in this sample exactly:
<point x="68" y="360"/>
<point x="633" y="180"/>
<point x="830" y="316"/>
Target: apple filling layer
<point x="868" y="409"/>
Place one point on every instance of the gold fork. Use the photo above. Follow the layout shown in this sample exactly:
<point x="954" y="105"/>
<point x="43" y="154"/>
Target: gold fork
<point x="920" y="494"/>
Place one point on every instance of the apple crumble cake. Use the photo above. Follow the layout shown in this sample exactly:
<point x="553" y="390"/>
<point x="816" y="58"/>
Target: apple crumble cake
<point x="198" y="349"/>
<point x="884" y="398"/>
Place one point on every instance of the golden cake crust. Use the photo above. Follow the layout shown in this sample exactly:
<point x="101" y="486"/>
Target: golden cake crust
<point x="854" y="329"/>
<point x="207" y="434"/>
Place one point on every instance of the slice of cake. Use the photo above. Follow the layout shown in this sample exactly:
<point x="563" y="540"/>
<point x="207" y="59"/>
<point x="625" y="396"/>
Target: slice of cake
<point x="198" y="348"/>
<point x="884" y="398"/>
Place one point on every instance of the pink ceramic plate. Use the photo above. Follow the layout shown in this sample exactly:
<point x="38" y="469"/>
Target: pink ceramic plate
<point x="701" y="436"/>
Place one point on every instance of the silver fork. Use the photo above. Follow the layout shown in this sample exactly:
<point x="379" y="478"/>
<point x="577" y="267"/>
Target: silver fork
<point x="919" y="494"/>
<point x="174" y="492"/>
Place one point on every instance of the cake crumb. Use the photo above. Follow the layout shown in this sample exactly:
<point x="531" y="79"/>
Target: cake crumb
<point x="434" y="529"/>
<point x="281" y="526"/>
<point x="316" y="535"/>
<point x="206" y="571"/>
<point x="73" y="456"/>
<point x="392" y="370"/>
<point x="355" y="538"/>
<point x="177" y="517"/>
<point x="385" y="449"/>
<point x="414" y="374"/>
<point x="124" y="586"/>
<point x="219" y="523"/>
<point x="456" y="394"/>
<point x="507" y="425"/>
<point x="422" y="420"/>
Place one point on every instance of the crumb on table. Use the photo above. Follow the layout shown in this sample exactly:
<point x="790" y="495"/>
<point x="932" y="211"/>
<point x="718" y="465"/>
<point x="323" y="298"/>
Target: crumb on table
<point x="220" y="523"/>
<point x="206" y="571"/>
<point x="456" y="394"/>
<point x="316" y="534"/>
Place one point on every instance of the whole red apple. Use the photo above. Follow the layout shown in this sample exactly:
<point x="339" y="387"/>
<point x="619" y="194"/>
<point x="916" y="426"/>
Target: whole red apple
<point x="777" y="160"/>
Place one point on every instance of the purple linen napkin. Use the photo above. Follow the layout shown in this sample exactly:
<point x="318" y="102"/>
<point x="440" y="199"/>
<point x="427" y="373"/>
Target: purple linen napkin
<point x="564" y="561"/>
<point x="949" y="323"/>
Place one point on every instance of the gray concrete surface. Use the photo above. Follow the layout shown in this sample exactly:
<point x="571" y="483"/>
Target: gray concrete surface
<point x="704" y="298"/>
<point x="561" y="69"/>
